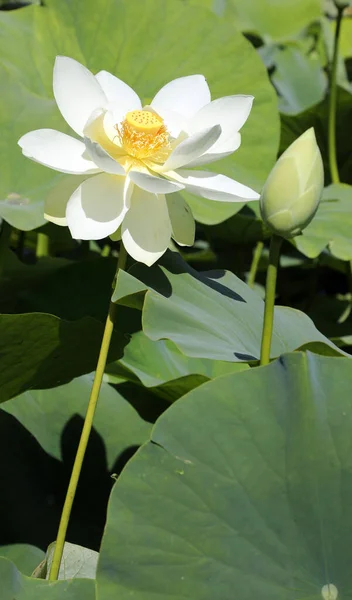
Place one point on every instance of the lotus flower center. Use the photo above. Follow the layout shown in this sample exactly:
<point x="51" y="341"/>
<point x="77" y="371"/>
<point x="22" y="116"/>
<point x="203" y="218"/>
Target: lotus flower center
<point x="144" y="121"/>
<point x="143" y="135"/>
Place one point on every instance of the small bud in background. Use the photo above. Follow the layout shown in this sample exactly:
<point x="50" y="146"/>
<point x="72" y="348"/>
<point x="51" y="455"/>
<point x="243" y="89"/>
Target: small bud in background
<point x="292" y="192"/>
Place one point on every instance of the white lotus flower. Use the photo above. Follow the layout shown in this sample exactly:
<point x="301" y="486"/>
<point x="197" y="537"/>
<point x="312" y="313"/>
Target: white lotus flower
<point x="138" y="157"/>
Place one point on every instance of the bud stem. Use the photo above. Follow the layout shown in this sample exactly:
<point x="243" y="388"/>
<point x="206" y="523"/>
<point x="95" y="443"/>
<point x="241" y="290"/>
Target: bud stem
<point x="42" y="248"/>
<point x="335" y="178"/>
<point x="5" y="235"/>
<point x="270" y="290"/>
<point x="87" y="427"/>
<point x="254" y="264"/>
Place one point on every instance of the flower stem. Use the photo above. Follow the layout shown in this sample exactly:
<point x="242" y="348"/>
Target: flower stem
<point x="334" y="172"/>
<point x="5" y="235"/>
<point x="254" y="264"/>
<point x="106" y="251"/>
<point x="42" y="248"/>
<point x="346" y="313"/>
<point x="87" y="427"/>
<point x="270" y="289"/>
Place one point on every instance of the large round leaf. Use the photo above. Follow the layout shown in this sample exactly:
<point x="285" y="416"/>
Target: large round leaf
<point x="212" y="315"/>
<point x="157" y="362"/>
<point x="318" y="117"/>
<point x="45" y="413"/>
<point x="144" y="42"/>
<point x="162" y="366"/>
<point x="278" y="19"/>
<point x="243" y="492"/>
<point x="25" y="557"/>
<point x="39" y="434"/>
<point x="246" y="227"/>
<point x="39" y="350"/>
<point x="15" y="586"/>
<point x="211" y="212"/>
<point x="299" y="79"/>
<point x="331" y="227"/>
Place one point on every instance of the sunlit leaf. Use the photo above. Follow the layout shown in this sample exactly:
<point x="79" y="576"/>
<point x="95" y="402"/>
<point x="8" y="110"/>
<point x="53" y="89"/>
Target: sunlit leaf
<point x="212" y="315"/>
<point x="279" y="19"/>
<point x="299" y="79"/>
<point x="331" y="227"/>
<point x="317" y="117"/>
<point x="244" y="488"/>
<point x="76" y="562"/>
<point x="161" y="365"/>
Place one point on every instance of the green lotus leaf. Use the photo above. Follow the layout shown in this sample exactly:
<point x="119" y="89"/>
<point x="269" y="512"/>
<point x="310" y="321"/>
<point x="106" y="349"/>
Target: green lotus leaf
<point x="244" y="488"/>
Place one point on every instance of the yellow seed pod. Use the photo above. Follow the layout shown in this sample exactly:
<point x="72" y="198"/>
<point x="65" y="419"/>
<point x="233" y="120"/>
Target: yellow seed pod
<point x="144" y="121"/>
<point x="292" y="192"/>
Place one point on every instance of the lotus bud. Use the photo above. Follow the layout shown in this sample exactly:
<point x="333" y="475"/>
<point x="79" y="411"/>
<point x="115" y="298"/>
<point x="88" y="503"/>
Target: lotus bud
<point x="292" y="192"/>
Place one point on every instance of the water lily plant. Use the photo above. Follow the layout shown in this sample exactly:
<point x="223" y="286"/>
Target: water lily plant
<point x="136" y="156"/>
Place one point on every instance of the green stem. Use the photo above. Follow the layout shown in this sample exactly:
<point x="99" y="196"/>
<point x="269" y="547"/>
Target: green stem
<point x="42" y="245"/>
<point x="335" y="178"/>
<point x="270" y="290"/>
<point x="5" y="235"/>
<point x="255" y="263"/>
<point x="346" y="313"/>
<point x="87" y="427"/>
<point x="106" y="251"/>
<point x="334" y="171"/>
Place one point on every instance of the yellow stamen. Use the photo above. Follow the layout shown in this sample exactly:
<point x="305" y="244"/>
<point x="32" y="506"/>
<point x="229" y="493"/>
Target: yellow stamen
<point x="142" y="134"/>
